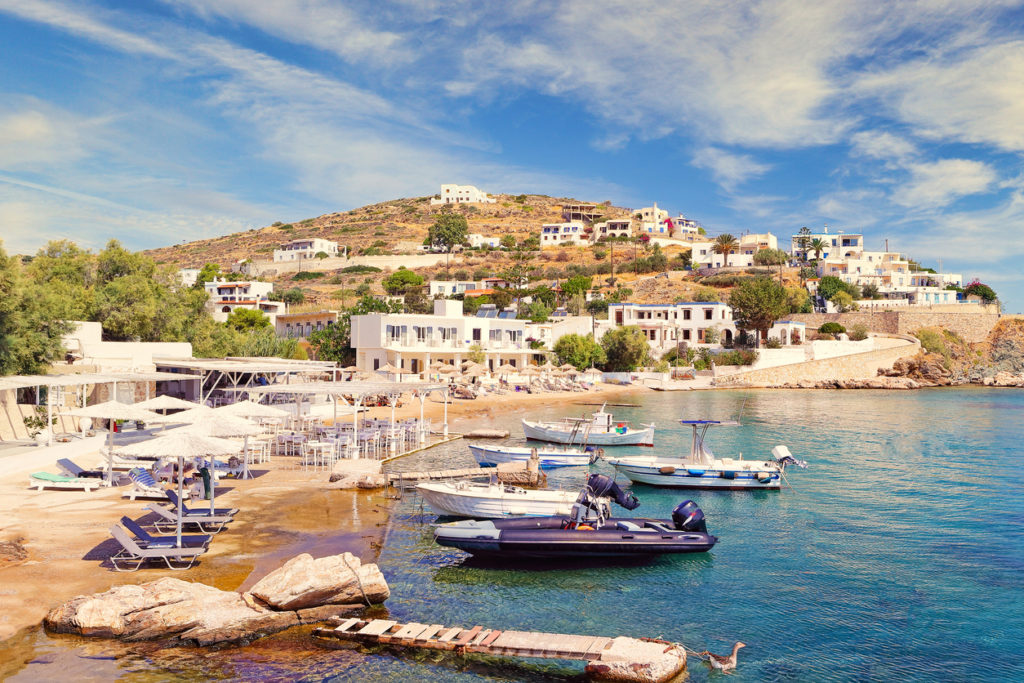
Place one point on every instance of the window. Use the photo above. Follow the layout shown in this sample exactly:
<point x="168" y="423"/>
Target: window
<point x="476" y="334"/>
<point x="708" y="314"/>
<point x="686" y="335"/>
<point x="686" y="314"/>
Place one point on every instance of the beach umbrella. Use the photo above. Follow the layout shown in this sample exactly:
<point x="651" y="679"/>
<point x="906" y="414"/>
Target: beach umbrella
<point x="114" y="410"/>
<point x="436" y="365"/>
<point x="447" y="369"/>
<point x="475" y="372"/>
<point x="531" y="370"/>
<point x="221" y="426"/>
<point x="251" y="409"/>
<point x="467" y="364"/>
<point x="568" y="367"/>
<point x="187" y="416"/>
<point x="505" y="367"/>
<point x="547" y="367"/>
<point x="181" y="444"/>
<point x="351" y="368"/>
<point x="164" y="403"/>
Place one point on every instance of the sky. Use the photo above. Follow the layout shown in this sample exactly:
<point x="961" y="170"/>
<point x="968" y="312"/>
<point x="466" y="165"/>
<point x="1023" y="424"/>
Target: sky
<point x="162" y="121"/>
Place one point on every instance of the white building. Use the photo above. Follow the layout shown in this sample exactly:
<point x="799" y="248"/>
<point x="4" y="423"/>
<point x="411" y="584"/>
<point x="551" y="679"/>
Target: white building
<point x="703" y="252"/>
<point x="667" y="324"/>
<point x="226" y="296"/>
<point x="301" y="325"/>
<point x="461" y="194"/>
<point x="652" y="220"/>
<point x="413" y="341"/>
<point x="451" y="287"/>
<point x="837" y="245"/>
<point x="478" y="241"/>
<point x="892" y="276"/>
<point x="559" y="325"/>
<point x="559" y="234"/>
<point x="84" y="345"/>
<point x="188" y="276"/>
<point x="614" y="227"/>
<point x="300" y="249"/>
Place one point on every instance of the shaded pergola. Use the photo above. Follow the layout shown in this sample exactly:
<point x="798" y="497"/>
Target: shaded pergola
<point x="358" y="391"/>
<point x="241" y="373"/>
<point x="81" y="380"/>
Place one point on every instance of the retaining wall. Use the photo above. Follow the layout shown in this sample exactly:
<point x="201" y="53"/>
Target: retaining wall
<point x="972" y="325"/>
<point x="257" y="268"/>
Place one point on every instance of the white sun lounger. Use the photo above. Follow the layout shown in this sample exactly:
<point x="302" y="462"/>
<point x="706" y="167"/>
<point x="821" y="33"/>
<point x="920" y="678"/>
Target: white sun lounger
<point x="131" y="552"/>
<point x="41" y="480"/>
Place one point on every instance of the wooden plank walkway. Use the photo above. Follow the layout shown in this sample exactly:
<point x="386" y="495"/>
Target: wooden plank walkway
<point x="466" y="472"/>
<point x="476" y="639"/>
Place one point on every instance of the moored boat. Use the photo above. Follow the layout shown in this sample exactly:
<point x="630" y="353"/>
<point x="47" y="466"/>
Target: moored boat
<point x="601" y="429"/>
<point x="587" y="533"/>
<point x="488" y="455"/>
<point x="494" y="500"/>
<point x="701" y="469"/>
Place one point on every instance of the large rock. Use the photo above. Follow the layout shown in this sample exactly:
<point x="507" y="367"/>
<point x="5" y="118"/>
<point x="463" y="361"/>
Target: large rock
<point x="304" y="582"/>
<point x="638" y="661"/>
<point x="182" y="612"/>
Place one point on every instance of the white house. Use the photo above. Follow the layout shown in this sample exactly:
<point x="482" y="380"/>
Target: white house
<point x="614" y="227"/>
<point x="188" y="276"/>
<point x="559" y="325"/>
<point x="300" y="249"/>
<point x="413" y="341"/>
<point x="892" y="276"/>
<point x="837" y="245"/>
<point x="301" y="325"/>
<point x="665" y="325"/>
<point x="558" y="234"/>
<point x="478" y="241"/>
<point x="84" y="345"/>
<point x="226" y="296"/>
<point x="451" y="287"/>
<point x="703" y="251"/>
<point x="461" y="194"/>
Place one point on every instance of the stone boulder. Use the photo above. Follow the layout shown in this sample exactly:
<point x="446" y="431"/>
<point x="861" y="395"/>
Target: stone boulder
<point x="182" y="612"/>
<point x="306" y="582"/>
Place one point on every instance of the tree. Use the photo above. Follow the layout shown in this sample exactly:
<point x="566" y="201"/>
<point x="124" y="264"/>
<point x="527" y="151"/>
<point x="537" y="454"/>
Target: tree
<point x="538" y="312"/>
<point x="757" y="303"/>
<point x="247" y="319"/>
<point x="799" y="300"/>
<point x="625" y="349"/>
<point x="818" y="245"/>
<point x="772" y="257"/>
<point x="576" y="285"/>
<point x="870" y="291"/>
<point x="844" y="301"/>
<point x="544" y="294"/>
<point x="322" y="255"/>
<point x="501" y="297"/>
<point x="803" y="242"/>
<point x="518" y="273"/>
<point x="508" y="242"/>
<point x="449" y="230"/>
<point x="400" y="281"/>
<point x="725" y="244"/>
<point x="291" y="296"/>
<point x="657" y="260"/>
<point x="829" y="285"/>
<point x="30" y="334"/>
<point x="580" y="351"/>
<point x="977" y="288"/>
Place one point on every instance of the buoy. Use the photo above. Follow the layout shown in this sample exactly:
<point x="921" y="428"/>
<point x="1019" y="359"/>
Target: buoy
<point x="764" y="477"/>
<point x="667" y="469"/>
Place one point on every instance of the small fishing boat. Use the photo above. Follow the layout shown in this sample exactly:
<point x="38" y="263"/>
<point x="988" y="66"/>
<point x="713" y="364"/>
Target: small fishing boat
<point x="586" y="533"/>
<point x="492" y="455"/>
<point x="601" y="429"/>
<point x="701" y="469"/>
<point x="494" y="500"/>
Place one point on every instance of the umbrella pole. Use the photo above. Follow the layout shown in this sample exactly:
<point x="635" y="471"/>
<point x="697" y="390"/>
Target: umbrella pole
<point x="110" y="454"/>
<point x="181" y="492"/>
<point x="213" y="482"/>
<point x="245" y="462"/>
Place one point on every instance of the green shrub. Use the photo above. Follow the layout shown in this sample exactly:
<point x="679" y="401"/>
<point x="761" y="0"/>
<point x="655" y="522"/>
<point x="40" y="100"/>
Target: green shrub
<point x="308" y="275"/>
<point x="360" y="269"/>
<point x="859" y="332"/>
<point x="832" y="328"/>
<point x="773" y="343"/>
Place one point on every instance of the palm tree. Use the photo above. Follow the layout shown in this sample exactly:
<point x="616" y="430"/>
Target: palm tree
<point x="818" y="245"/>
<point x="725" y="244"/>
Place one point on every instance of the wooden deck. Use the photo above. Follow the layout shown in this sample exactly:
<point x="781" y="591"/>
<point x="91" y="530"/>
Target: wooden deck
<point x="464" y="473"/>
<point x="647" y="660"/>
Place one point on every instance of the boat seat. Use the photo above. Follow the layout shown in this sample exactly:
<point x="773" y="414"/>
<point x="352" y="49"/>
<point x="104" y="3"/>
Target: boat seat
<point x="627" y="526"/>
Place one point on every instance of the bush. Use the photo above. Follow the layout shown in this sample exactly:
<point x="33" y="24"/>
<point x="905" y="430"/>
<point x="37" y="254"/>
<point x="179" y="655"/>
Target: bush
<point x="360" y="269"/>
<point x="859" y="332"/>
<point x="308" y="275"/>
<point x="600" y="254"/>
<point x="773" y="343"/>
<point x="562" y="257"/>
<point x="832" y="328"/>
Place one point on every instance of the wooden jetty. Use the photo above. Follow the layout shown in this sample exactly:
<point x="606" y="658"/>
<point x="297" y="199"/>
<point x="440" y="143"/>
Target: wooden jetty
<point x="433" y="475"/>
<point x="619" y="659"/>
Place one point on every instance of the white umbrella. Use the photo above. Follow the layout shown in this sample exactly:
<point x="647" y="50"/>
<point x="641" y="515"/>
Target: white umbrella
<point x="181" y="444"/>
<point x="220" y="425"/>
<point x="165" y="402"/>
<point x="250" y="409"/>
<point x="114" y="410"/>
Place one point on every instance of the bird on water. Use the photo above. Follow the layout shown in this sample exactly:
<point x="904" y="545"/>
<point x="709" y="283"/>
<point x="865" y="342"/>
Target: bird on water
<point x="721" y="662"/>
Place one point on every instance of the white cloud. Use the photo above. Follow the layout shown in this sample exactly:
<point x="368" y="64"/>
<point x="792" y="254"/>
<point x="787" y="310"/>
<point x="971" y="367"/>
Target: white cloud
<point x="728" y="169"/>
<point x="876" y="144"/>
<point x="936" y="184"/>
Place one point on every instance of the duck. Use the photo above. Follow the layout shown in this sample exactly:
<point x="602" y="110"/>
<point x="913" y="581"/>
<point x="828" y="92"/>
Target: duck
<point x="721" y="662"/>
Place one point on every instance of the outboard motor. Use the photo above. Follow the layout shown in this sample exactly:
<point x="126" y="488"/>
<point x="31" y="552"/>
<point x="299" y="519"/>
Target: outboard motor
<point x="603" y="485"/>
<point x="688" y="517"/>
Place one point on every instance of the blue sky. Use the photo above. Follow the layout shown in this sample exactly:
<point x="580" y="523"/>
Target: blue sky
<point x="169" y="120"/>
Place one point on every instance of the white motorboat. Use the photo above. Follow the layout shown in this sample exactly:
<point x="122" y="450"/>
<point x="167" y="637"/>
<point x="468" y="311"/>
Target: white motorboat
<point x="599" y="430"/>
<point x="701" y="469"/>
<point x="494" y="500"/>
<point x="492" y="455"/>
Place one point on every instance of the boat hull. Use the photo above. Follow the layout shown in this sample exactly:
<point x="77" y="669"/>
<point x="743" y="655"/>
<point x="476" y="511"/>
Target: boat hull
<point x="543" y="538"/>
<point x="491" y="456"/>
<point x="494" y="501"/>
<point x="538" y="431"/>
<point x="742" y="476"/>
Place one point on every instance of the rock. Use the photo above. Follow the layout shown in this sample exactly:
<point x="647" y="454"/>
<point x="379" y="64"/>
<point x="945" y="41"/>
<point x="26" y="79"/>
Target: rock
<point x="304" y="582"/>
<point x="348" y="472"/>
<point x="183" y="612"/>
<point x="638" y="661"/>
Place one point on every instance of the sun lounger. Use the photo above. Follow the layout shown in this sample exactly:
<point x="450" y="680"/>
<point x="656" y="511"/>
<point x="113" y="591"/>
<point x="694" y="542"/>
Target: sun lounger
<point x="144" y="486"/>
<point x="72" y="470"/>
<point x="41" y="480"/>
<point x="207" y="523"/>
<point x="125" y="464"/>
<point x="146" y="540"/>
<point x="222" y="512"/>
<point x="132" y="552"/>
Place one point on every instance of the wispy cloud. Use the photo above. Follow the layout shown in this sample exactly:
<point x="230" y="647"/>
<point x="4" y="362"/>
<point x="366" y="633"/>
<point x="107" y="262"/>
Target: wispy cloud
<point x="936" y="184"/>
<point x="729" y="170"/>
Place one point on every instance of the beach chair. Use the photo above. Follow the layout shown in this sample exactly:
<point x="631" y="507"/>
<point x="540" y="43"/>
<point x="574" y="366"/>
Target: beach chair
<point x="146" y="540"/>
<point x="71" y="469"/>
<point x="131" y="552"/>
<point x="41" y="480"/>
<point x="217" y="512"/>
<point x="144" y="486"/>
<point x="168" y="520"/>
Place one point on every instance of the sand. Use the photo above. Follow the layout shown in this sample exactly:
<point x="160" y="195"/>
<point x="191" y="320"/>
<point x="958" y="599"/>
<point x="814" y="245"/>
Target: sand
<point x="53" y="544"/>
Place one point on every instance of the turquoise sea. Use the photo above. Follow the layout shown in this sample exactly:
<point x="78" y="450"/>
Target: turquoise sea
<point x="899" y="555"/>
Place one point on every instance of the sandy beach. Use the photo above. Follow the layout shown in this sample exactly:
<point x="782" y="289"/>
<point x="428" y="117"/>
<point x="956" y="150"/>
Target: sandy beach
<point x="54" y="543"/>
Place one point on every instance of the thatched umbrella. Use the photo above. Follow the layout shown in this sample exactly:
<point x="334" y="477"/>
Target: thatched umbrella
<point x="567" y="367"/>
<point x="181" y="444"/>
<point x="547" y="367"/>
<point x="593" y="372"/>
<point x="436" y="365"/>
<point x="447" y="369"/>
<point x="114" y="410"/>
<point x="391" y="370"/>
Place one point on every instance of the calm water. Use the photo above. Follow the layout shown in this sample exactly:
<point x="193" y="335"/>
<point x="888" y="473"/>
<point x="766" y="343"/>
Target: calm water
<point x="898" y="556"/>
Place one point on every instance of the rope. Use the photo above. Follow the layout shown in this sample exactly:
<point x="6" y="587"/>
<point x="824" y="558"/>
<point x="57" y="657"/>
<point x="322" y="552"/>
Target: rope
<point x="786" y="479"/>
<point x="695" y="654"/>
<point x="359" y="581"/>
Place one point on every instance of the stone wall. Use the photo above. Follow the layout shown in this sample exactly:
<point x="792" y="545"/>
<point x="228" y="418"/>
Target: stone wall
<point x="385" y="262"/>
<point x="972" y="325"/>
<point x="855" y="366"/>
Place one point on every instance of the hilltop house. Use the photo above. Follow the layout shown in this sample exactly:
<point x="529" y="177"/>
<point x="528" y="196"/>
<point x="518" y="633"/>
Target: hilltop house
<point x="614" y="227"/>
<point x="891" y="275"/>
<point x="300" y="249"/>
<point x="560" y="234"/>
<point x="478" y="241"/>
<point x="837" y="245"/>
<point x="226" y="296"/>
<point x="703" y="252"/>
<point x="301" y="325"/>
<point x="461" y="194"/>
